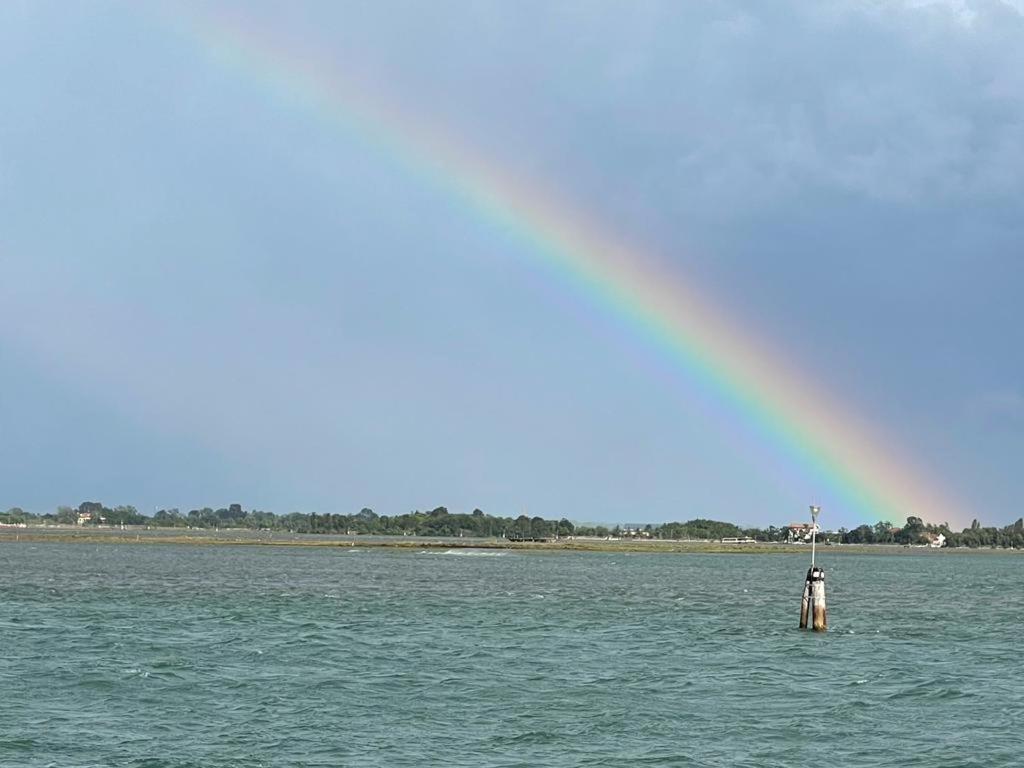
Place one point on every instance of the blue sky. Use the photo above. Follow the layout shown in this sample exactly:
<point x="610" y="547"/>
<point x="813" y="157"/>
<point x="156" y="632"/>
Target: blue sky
<point x="208" y="294"/>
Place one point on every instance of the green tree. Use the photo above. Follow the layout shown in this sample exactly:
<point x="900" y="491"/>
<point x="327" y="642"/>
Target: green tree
<point x="883" y="532"/>
<point x="912" y="532"/>
<point x="66" y="516"/>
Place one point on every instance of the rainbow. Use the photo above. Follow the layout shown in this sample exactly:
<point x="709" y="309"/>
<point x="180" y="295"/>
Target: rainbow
<point x="833" y="453"/>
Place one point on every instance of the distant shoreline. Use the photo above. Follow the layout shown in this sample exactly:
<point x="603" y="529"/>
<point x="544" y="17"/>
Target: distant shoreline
<point x="239" y="537"/>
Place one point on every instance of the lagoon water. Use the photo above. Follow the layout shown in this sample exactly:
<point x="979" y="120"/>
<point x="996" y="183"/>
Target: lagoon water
<point x="171" y="656"/>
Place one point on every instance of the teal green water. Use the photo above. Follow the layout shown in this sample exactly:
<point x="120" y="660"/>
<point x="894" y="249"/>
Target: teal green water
<point x="153" y="655"/>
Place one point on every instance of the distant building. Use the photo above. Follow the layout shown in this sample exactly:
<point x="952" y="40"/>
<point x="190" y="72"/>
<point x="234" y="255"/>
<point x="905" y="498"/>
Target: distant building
<point x="801" y="531"/>
<point x="635" y="533"/>
<point x="90" y="517"/>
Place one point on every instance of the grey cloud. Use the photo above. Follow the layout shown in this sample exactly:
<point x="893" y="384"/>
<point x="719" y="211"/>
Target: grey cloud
<point x="885" y="99"/>
<point x="726" y="106"/>
<point x="897" y="104"/>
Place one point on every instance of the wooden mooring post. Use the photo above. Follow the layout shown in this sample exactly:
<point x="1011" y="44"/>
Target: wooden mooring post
<point x="812" y="605"/>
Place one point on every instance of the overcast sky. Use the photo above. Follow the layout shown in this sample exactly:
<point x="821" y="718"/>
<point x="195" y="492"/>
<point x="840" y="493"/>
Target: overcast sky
<point x="210" y="294"/>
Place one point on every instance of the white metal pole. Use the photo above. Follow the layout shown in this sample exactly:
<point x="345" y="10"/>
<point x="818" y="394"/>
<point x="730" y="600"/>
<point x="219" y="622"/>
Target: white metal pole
<point x="814" y="530"/>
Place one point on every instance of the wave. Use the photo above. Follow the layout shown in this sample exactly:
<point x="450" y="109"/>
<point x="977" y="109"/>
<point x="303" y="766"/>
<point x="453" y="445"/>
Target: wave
<point x="473" y="553"/>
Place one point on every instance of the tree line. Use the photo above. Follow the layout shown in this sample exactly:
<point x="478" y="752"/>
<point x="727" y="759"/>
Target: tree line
<point x="440" y="522"/>
<point x="435" y="522"/>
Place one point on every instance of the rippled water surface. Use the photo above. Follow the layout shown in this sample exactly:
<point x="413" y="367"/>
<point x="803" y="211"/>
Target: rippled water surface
<point x="157" y="655"/>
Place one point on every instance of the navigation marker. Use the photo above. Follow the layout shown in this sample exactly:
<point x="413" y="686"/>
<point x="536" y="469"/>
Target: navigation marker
<point x="812" y="606"/>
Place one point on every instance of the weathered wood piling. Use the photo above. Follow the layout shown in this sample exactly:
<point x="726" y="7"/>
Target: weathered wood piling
<point x="812" y="606"/>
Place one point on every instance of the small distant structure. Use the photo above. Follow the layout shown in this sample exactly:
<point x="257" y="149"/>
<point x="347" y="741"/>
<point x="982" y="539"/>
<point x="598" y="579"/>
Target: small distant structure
<point x="936" y="540"/>
<point x="517" y="536"/>
<point x="801" y="532"/>
<point x="90" y="517"/>
<point x="635" y="533"/>
<point x="739" y="540"/>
